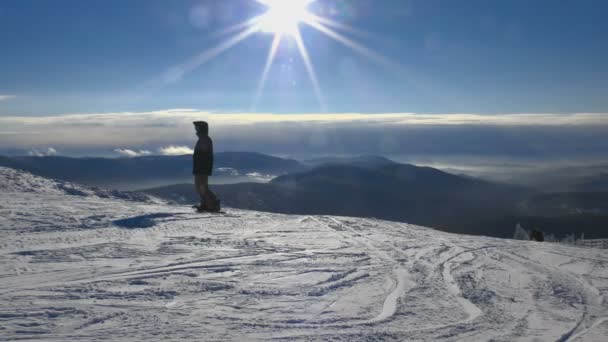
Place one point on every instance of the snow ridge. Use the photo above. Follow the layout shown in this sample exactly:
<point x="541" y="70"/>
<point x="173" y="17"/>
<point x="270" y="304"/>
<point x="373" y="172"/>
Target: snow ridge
<point x="17" y="181"/>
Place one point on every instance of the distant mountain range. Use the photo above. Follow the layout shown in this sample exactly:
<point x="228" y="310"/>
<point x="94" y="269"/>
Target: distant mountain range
<point x="365" y="186"/>
<point x="153" y="171"/>
<point x="366" y="161"/>
<point x="421" y="195"/>
<point x="400" y="192"/>
<point x="571" y="203"/>
<point x="598" y="182"/>
<point x="142" y="172"/>
<point x="579" y="178"/>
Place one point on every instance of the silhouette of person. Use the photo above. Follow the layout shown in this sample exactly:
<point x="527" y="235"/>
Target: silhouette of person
<point x="203" y="168"/>
<point x="537" y="235"/>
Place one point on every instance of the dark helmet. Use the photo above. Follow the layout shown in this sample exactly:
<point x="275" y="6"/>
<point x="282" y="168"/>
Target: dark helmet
<point x="202" y="127"/>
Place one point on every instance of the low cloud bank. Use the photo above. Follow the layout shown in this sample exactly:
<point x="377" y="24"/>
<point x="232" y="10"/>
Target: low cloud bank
<point x="125" y="152"/>
<point x="175" y="150"/>
<point x="175" y="117"/>
<point x="165" y="151"/>
<point x="7" y="97"/>
<point x="43" y="153"/>
<point x="171" y="132"/>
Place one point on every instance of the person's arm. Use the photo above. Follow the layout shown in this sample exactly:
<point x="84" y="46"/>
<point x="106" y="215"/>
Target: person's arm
<point x="197" y="152"/>
<point x="211" y="153"/>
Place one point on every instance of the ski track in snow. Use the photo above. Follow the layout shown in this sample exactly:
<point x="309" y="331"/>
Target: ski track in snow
<point x="82" y="264"/>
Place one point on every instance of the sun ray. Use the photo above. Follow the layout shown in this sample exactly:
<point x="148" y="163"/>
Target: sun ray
<point x="310" y="69"/>
<point x="337" y="25"/>
<point x="283" y="19"/>
<point x="177" y="72"/>
<point x="271" y="55"/>
<point x="236" y="27"/>
<point x="365" y="51"/>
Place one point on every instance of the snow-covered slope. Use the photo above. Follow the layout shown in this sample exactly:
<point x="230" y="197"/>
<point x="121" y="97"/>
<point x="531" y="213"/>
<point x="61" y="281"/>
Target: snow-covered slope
<point x="93" y="268"/>
<point x="17" y="181"/>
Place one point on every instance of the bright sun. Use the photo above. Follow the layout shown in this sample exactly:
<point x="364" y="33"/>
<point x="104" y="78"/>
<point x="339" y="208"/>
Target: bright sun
<point x="284" y="16"/>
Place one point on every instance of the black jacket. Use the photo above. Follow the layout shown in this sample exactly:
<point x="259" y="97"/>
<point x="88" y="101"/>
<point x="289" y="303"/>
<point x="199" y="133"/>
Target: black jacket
<point x="203" y="156"/>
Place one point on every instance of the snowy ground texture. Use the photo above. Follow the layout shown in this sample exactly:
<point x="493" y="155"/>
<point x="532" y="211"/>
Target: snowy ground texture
<point x="84" y="264"/>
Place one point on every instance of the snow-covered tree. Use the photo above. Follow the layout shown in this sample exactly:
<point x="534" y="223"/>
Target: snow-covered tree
<point x="521" y="233"/>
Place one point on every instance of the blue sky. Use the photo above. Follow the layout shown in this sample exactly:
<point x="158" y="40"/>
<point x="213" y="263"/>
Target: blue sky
<point x="500" y="78"/>
<point x="474" y="56"/>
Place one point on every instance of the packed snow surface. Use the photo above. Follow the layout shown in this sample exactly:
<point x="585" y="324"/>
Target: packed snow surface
<point x="77" y="265"/>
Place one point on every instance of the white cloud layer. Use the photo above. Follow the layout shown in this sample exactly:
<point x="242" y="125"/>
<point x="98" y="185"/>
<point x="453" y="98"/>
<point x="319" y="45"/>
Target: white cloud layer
<point x="177" y="117"/>
<point x="125" y="152"/>
<point x="7" y="97"/>
<point x="170" y="132"/>
<point x="175" y="150"/>
<point x="43" y="153"/>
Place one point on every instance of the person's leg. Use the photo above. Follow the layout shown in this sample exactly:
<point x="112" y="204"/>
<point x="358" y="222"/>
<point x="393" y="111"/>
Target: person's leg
<point x="200" y="182"/>
<point x="209" y="198"/>
<point x="208" y="194"/>
<point x="211" y="201"/>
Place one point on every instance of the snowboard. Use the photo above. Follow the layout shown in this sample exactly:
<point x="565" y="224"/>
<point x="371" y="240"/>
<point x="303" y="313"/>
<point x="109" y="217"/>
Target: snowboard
<point x="197" y="209"/>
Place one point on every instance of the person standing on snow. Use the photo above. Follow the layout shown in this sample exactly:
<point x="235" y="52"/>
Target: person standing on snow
<point x="203" y="168"/>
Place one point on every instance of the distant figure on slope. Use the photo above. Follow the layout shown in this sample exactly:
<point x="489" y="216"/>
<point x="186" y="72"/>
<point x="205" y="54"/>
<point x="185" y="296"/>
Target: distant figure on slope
<point x="203" y="168"/>
<point x="537" y="235"/>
